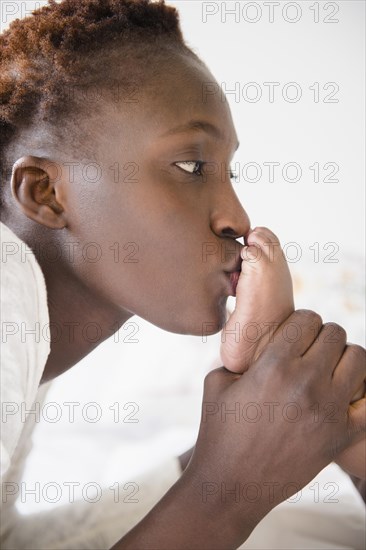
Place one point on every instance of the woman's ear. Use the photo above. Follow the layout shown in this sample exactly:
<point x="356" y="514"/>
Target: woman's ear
<point x="36" y="192"/>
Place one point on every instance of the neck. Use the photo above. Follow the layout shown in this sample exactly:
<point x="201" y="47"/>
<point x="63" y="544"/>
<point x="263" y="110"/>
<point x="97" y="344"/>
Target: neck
<point x="79" y="321"/>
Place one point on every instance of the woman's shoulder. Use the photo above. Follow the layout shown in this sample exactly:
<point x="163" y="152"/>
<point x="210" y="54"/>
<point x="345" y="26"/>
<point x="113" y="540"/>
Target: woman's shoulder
<point x="25" y="335"/>
<point x="25" y="338"/>
<point x="22" y="282"/>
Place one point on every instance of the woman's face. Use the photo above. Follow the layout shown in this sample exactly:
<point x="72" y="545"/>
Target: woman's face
<point x="165" y="233"/>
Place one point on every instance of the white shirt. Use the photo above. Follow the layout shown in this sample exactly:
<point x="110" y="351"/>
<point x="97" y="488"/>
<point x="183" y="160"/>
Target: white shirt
<point x="24" y="338"/>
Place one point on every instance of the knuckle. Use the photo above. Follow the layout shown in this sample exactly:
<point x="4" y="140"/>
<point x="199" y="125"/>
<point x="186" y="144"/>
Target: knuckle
<point x="338" y="332"/>
<point x="307" y="315"/>
<point x="358" y="353"/>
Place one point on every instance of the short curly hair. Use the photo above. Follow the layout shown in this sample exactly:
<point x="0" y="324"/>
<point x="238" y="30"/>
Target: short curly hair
<point x="65" y="44"/>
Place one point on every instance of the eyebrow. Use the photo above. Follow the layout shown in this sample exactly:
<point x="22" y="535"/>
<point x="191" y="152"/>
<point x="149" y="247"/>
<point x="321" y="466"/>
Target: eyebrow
<point x="193" y="125"/>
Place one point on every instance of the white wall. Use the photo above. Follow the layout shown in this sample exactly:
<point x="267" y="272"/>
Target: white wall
<point x="239" y="52"/>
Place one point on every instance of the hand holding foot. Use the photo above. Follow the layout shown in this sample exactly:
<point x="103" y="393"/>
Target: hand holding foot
<point x="264" y="301"/>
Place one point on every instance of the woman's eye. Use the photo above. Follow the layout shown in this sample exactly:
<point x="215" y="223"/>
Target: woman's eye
<point x="195" y="167"/>
<point x="191" y="166"/>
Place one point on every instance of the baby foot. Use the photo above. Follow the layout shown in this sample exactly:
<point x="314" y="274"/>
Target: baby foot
<point x="264" y="299"/>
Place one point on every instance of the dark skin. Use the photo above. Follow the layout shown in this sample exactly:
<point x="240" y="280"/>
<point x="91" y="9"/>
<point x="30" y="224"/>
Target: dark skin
<point x="169" y="214"/>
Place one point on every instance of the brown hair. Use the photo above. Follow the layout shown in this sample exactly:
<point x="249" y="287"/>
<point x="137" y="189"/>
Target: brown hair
<point x="66" y="43"/>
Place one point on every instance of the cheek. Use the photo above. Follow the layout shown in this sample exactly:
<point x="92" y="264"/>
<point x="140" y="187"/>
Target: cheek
<point x="180" y="298"/>
<point x="166" y="289"/>
<point x="151" y="260"/>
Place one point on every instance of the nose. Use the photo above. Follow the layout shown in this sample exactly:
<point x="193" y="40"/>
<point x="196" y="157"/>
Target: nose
<point x="228" y="217"/>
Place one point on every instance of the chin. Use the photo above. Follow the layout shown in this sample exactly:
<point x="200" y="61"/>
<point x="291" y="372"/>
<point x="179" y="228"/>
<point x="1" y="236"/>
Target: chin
<point x="193" y="321"/>
<point x="208" y="323"/>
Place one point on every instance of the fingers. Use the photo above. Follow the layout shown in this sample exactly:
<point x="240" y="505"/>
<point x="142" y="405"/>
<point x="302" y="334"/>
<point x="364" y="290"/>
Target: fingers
<point x="328" y="347"/>
<point x="350" y="371"/>
<point x="296" y="335"/>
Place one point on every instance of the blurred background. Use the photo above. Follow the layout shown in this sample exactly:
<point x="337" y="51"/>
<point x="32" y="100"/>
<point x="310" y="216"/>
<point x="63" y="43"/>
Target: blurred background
<point x="294" y="75"/>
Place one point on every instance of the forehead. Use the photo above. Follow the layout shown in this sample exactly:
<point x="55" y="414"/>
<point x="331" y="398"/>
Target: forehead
<point x="189" y="92"/>
<point x="181" y="95"/>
